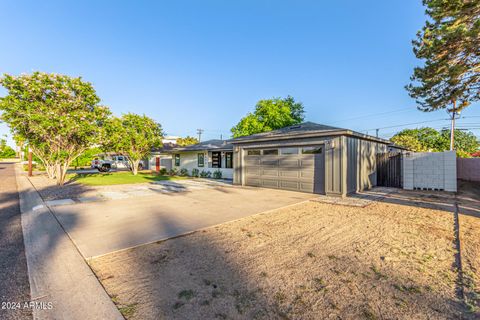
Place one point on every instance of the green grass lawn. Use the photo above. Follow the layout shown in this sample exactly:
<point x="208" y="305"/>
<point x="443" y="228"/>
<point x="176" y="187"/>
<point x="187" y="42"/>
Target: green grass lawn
<point x="110" y="178"/>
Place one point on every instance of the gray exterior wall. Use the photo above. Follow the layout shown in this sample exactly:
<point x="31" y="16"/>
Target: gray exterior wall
<point x="350" y="162"/>
<point x="361" y="162"/>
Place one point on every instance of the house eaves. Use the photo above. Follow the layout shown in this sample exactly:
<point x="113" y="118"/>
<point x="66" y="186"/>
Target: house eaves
<point x="309" y="134"/>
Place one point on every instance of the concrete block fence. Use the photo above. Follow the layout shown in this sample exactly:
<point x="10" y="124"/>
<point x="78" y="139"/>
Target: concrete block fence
<point x="468" y="169"/>
<point x="430" y="171"/>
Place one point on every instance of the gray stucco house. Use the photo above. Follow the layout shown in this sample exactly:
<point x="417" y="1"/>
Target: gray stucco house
<point x="308" y="157"/>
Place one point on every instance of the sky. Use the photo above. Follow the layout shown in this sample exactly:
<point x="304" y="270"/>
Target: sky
<point x="205" y="64"/>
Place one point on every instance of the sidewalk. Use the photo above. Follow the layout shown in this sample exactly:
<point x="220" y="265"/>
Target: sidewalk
<point x="62" y="284"/>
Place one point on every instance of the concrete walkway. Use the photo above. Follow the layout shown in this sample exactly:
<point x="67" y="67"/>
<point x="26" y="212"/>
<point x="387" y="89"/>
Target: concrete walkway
<point x="62" y="284"/>
<point x="98" y="228"/>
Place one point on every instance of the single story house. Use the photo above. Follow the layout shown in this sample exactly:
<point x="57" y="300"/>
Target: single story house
<point x="161" y="158"/>
<point x="207" y="156"/>
<point x="308" y="157"/>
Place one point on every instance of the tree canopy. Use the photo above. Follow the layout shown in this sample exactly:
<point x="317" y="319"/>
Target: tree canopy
<point x="57" y="115"/>
<point x="132" y="135"/>
<point x="448" y="45"/>
<point x="270" y="114"/>
<point x="187" y="141"/>
<point x="429" y="139"/>
<point x="5" y="150"/>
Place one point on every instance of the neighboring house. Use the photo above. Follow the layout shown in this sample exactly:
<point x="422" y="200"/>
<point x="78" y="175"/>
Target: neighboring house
<point x="308" y="157"/>
<point x="170" y="139"/>
<point x="161" y="158"/>
<point x="207" y="156"/>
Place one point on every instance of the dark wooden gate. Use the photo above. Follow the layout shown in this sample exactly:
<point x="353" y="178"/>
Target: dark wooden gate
<point x="389" y="169"/>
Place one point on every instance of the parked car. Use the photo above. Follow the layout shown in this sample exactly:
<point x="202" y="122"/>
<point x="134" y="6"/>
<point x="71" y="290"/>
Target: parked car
<point x="105" y="163"/>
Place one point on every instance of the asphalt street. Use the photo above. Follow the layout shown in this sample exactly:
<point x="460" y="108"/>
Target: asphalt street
<point x="14" y="285"/>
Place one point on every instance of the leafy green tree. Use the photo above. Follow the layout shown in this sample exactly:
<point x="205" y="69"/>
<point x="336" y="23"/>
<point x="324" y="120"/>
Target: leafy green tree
<point x="269" y="115"/>
<point x="429" y="139"/>
<point x="85" y="159"/>
<point x="187" y="141"/>
<point x="410" y="142"/>
<point x="5" y="150"/>
<point x="57" y="115"/>
<point x="464" y="141"/>
<point x="132" y="135"/>
<point x="448" y="44"/>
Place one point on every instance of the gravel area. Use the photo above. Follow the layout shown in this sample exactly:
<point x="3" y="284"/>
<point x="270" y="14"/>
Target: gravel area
<point x="393" y="259"/>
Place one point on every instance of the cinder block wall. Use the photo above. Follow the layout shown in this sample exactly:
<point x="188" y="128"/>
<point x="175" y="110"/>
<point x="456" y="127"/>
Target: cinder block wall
<point x="430" y="170"/>
<point x="468" y="169"/>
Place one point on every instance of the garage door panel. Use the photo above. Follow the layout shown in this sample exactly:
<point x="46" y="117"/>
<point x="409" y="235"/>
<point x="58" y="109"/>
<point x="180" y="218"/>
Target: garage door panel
<point x="269" y="162"/>
<point x="292" y="163"/>
<point x="252" y="171"/>
<point x="252" y="161"/>
<point x="306" y="187"/>
<point x="270" y="183"/>
<point x="255" y="182"/>
<point x="291" y="185"/>
<point x="307" y="174"/>
<point x="269" y="173"/>
<point x="307" y="162"/>
<point x="290" y="172"/>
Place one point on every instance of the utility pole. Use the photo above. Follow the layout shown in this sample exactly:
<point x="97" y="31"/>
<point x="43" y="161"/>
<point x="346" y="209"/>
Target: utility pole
<point x="376" y="130"/>
<point x="452" y="126"/>
<point x="199" y="132"/>
<point x="29" y="162"/>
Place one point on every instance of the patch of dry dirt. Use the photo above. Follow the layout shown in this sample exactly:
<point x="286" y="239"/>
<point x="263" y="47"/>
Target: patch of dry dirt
<point x="469" y="221"/>
<point x="310" y="261"/>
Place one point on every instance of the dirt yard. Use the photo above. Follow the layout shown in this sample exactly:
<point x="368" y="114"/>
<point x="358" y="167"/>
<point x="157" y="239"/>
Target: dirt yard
<point x="469" y="221"/>
<point x="395" y="259"/>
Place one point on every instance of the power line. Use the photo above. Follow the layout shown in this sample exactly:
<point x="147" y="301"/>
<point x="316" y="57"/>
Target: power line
<point x="405" y="124"/>
<point x="374" y="114"/>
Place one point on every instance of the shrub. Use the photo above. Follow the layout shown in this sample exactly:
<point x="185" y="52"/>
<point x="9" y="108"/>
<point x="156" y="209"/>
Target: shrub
<point x="217" y="174"/>
<point x="163" y="171"/>
<point x="463" y="154"/>
<point x="184" y="172"/>
<point x="205" y="174"/>
<point x="173" y="172"/>
<point x="195" y="172"/>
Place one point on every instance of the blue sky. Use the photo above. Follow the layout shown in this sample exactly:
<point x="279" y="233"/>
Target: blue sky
<point x="204" y="64"/>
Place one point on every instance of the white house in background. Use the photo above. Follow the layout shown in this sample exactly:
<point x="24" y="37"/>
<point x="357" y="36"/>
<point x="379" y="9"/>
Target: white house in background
<point x="206" y="156"/>
<point x="170" y="139"/>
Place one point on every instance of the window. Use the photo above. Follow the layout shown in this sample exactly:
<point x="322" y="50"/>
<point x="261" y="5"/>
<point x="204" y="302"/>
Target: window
<point x="200" y="160"/>
<point x="119" y="158"/>
<point x="312" y="150"/>
<point x="216" y="160"/>
<point x="177" y="160"/>
<point x="289" y="150"/>
<point x="228" y="159"/>
<point x="269" y="152"/>
<point x="253" y="152"/>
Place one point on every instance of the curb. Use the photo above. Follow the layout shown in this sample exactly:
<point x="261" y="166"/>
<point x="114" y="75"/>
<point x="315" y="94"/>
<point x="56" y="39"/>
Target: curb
<point x="62" y="285"/>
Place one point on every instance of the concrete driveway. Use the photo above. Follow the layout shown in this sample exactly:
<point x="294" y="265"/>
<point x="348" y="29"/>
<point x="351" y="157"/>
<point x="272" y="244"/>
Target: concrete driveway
<point x="102" y="227"/>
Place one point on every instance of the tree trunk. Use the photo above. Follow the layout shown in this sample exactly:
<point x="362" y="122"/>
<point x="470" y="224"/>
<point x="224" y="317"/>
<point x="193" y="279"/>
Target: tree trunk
<point x="135" y="166"/>
<point x="62" y="173"/>
<point x="50" y="169"/>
